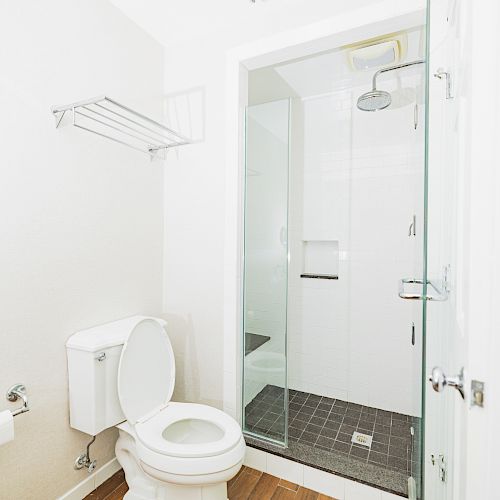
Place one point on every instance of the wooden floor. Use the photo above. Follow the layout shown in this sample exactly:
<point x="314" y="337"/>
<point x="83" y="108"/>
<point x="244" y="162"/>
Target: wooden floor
<point x="248" y="484"/>
<point x="112" y="489"/>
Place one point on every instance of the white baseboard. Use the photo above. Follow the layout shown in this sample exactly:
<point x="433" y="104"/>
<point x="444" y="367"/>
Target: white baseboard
<point x="90" y="483"/>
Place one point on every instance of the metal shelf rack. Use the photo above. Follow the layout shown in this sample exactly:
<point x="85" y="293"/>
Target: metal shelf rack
<point x="107" y="118"/>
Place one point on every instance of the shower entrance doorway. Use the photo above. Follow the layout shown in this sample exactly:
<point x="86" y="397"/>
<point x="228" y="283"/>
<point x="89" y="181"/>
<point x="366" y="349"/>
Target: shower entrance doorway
<point x="334" y="288"/>
<point x="334" y="249"/>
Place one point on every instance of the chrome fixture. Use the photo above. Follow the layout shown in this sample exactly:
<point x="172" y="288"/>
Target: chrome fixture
<point x="18" y="391"/>
<point x="439" y="381"/>
<point x="477" y="393"/>
<point x="107" y="118"/>
<point x="413" y="227"/>
<point x="412" y="484"/>
<point x="441" y="295"/>
<point x="441" y="73"/>
<point x="375" y="100"/>
<point x="100" y="357"/>
<point x="84" y="460"/>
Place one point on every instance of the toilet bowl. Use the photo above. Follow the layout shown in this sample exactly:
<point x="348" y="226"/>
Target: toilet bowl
<point x="168" y="450"/>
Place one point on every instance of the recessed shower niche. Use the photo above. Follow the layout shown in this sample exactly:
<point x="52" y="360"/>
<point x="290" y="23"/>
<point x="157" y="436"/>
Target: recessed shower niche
<point x="320" y="260"/>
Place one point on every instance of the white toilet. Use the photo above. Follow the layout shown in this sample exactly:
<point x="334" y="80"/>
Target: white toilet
<point x="123" y="374"/>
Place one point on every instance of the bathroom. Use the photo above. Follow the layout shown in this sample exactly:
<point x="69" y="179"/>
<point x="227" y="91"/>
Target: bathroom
<point x="94" y="232"/>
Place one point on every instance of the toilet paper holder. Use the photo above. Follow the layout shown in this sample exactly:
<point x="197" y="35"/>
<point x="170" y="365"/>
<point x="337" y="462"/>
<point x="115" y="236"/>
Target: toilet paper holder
<point x="18" y="391"/>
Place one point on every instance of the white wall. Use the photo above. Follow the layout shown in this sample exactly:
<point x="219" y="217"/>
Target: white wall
<point x="81" y="219"/>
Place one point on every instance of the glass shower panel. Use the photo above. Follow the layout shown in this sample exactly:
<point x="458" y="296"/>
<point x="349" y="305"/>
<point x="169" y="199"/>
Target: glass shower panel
<point x="265" y="274"/>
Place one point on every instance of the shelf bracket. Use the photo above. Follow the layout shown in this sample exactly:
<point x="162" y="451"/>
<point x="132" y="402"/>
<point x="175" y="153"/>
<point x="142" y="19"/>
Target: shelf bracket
<point x="58" y="116"/>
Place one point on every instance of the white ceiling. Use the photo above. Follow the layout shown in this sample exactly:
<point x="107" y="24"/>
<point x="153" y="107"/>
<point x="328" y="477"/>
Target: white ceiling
<point x="175" y="21"/>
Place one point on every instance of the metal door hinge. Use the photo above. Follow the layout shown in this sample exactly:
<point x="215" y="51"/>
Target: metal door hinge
<point x="477" y="393"/>
<point x="442" y="468"/>
<point x="440" y="461"/>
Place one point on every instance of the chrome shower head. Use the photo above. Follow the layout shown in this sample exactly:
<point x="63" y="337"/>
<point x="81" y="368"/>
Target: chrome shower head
<point x="375" y="100"/>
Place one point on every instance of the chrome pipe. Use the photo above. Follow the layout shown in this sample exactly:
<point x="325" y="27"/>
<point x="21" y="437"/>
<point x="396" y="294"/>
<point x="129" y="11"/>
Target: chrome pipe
<point x="392" y="68"/>
<point x="159" y="134"/>
<point x="123" y="124"/>
<point x="113" y="127"/>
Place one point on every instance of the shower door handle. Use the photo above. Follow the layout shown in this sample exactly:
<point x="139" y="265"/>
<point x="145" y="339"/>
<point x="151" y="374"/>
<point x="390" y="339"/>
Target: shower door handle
<point x="439" y="381"/>
<point x="440" y="295"/>
<point x="410" y="296"/>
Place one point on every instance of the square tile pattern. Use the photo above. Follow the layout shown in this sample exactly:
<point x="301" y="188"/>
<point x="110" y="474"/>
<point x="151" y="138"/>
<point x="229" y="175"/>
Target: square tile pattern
<point x="328" y="424"/>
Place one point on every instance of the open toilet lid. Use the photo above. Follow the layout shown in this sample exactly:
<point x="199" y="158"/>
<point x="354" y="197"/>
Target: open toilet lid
<point x="146" y="374"/>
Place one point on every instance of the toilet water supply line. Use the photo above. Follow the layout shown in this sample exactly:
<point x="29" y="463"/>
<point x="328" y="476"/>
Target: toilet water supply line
<point x="84" y="459"/>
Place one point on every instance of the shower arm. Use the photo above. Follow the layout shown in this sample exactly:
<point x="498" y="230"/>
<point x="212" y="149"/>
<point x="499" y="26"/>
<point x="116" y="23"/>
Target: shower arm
<point x="392" y="68"/>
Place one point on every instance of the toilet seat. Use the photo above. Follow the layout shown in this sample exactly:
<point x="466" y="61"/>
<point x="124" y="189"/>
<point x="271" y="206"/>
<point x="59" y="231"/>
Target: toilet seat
<point x="218" y="434"/>
<point x="172" y="439"/>
<point x="146" y="371"/>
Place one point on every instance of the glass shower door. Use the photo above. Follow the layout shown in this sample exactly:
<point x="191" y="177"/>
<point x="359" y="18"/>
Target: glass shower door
<point x="445" y="415"/>
<point x="265" y="408"/>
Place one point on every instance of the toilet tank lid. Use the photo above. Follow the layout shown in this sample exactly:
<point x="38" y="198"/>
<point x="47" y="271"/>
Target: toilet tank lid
<point x="107" y="335"/>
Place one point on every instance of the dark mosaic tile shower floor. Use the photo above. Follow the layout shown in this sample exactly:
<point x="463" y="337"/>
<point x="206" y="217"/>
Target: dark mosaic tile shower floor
<point x="320" y="431"/>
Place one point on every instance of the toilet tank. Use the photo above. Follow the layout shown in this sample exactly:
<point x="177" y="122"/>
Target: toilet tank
<point x="93" y="361"/>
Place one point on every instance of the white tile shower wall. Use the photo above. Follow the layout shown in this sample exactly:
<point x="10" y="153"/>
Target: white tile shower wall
<point x="362" y="176"/>
<point x="81" y="219"/>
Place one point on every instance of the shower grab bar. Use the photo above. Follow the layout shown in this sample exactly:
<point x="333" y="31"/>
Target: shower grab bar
<point x="441" y="296"/>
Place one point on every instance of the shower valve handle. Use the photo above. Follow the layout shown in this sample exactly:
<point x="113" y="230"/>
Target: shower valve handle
<point x="439" y="381"/>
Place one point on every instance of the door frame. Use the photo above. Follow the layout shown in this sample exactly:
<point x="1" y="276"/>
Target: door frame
<point x="481" y="105"/>
<point x="369" y="22"/>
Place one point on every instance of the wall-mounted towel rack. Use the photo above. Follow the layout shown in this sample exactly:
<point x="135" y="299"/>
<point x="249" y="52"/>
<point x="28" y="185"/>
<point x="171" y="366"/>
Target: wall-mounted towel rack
<point x="106" y="117"/>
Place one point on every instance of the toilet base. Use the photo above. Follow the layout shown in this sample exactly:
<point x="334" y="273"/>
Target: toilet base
<point x="178" y="492"/>
<point x="142" y="486"/>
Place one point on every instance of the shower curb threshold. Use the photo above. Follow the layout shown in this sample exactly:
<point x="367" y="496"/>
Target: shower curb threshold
<point x="288" y="454"/>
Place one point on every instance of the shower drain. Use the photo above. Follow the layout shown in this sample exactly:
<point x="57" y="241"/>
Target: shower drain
<point x="362" y="439"/>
